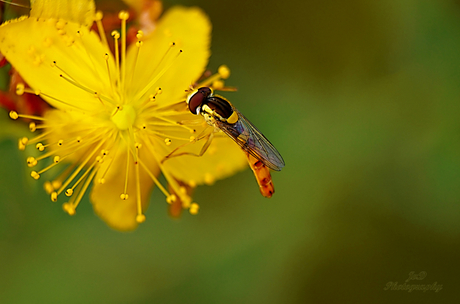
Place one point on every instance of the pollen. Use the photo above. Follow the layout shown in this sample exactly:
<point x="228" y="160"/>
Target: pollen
<point x="209" y="179"/>
<point x="194" y="208"/>
<point x="140" y="218"/>
<point x="14" y="115"/>
<point x="223" y="71"/>
<point x="69" y="208"/>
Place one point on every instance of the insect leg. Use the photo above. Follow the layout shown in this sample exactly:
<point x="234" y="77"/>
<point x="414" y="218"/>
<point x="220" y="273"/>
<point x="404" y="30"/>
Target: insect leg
<point x="204" y="135"/>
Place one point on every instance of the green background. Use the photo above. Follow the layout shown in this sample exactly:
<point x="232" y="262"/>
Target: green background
<point x="362" y="99"/>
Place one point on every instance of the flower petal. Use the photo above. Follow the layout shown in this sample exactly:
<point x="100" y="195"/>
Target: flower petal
<point x="107" y="204"/>
<point x="78" y="53"/>
<point x="79" y="11"/>
<point x="189" y="29"/>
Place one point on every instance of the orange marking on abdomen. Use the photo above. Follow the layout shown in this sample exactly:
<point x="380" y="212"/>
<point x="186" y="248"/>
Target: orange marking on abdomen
<point x="262" y="175"/>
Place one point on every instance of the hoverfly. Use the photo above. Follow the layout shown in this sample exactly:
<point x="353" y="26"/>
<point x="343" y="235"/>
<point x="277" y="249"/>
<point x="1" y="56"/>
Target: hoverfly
<point x="222" y="115"/>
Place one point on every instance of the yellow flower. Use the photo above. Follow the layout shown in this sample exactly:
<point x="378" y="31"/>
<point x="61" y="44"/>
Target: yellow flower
<point x="116" y="116"/>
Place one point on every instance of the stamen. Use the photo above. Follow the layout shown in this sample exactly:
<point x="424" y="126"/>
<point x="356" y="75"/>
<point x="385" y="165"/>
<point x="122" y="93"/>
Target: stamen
<point x="16" y="4"/>
<point x="123" y="15"/>
<point x="116" y="36"/>
<point x="72" y="205"/>
<point x="223" y="72"/>
<point x="106" y="58"/>
<point x="124" y="195"/>
<point x="194" y="208"/>
<point x="98" y="18"/>
<point x="158" y="76"/>
<point x="140" y="217"/>
<point x="102" y="178"/>
<point x="92" y="92"/>
<point x="155" y="180"/>
<point x="139" y="43"/>
<point x="14" y="115"/>
<point x="149" y="103"/>
<point x="80" y="167"/>
<point x="69" y="191"/>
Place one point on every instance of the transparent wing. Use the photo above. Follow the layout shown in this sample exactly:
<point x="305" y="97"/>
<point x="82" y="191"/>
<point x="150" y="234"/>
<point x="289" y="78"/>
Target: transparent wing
<point x="249" y="138"/>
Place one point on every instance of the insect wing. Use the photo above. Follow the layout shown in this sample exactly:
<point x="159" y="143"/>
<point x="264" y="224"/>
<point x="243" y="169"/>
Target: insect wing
<point x="249" y="138"/>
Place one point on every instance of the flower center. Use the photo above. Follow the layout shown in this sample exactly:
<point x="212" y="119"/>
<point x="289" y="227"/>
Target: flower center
<point x="124" y="116"/>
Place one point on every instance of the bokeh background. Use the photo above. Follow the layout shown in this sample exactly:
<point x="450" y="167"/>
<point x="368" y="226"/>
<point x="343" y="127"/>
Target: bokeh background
<point x="362" y="98"/>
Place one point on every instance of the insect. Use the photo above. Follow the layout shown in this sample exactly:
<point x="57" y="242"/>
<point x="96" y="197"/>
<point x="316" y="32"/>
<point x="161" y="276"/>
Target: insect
<point x="222" y="115"/>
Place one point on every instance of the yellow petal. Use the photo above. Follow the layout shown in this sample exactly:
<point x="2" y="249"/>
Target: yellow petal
<point x="190" y="30"/>
<point x="78" y="11"/>
<point x="78" y="53"/>
<point x="107" y="204"/>
<point x="222" y="159"/>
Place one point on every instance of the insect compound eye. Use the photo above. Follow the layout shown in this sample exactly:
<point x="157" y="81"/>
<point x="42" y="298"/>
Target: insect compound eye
<point x="198" y="98"/>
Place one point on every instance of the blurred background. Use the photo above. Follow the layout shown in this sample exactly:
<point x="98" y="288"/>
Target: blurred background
<point x="362" y="99"/>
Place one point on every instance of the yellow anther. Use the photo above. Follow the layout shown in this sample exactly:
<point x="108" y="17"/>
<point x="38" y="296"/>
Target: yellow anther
<point x="139" y="43"/>
<point x="99" y="15"/>
<point x="192" y="183"/>
<point x="194" y="208"/>
<point x="48" y="187"/>
<point x="106" y="56"/>
<point x="69" y="208"/>
<point x="14" y="115"/>
<point x="140" y="218"/>
<point x="186" y="202"/>
<point x="69" y="192"/>
<point x="171" y="199"/>
<point x="138" y="145"/>
<point x="40" y="147"/>
<point x="192" y="138"/>
<point x="209" y="179"/>
<point x="152" y="97"/>
<point x="115" y="34"/>
<point x="60" y="142"/>
<point x="183" y="190"/>
<point x="167" y="141"/>
<point x="56" y="159"/>
<point x="123" y="15"/>
<point x="32" y="127"/>
<point x="223" y="71"/>
<point x="158" y="91"/>
<point x="124" y="196"/>
<point x="218" y="84"/>
<point x="20" y="89"/>
<point x="31" y="161"/>
<point x="21" y="145"/>
<point x="139" y="34"/>
<point x="54" y="196"/>
<point x="35" y="175"/>
<point x="101" y="181"/>
<point x="56" y="184"/>
<point x="78" y="139"/>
